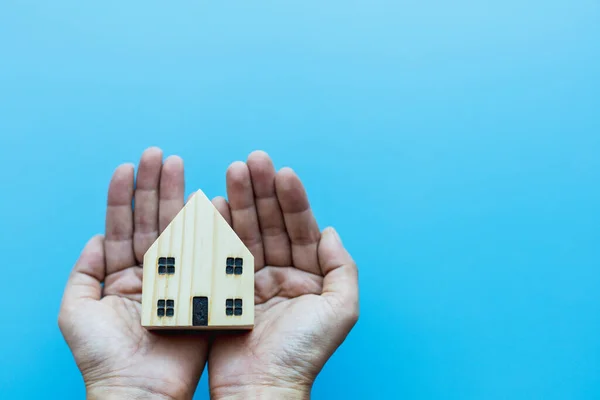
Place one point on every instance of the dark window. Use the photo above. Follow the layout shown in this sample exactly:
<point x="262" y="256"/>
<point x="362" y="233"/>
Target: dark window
<point x="166" y="265"/>
<point x="229" y="263"/>
<point x="162" y="265"/>
<point x="233" y="307"/>
<point x="165" y="307"/>
<point x="234" y="266"/>
<point x="239" y="263"/>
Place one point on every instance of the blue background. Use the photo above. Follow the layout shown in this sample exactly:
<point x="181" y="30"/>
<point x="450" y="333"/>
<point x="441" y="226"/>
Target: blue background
<point x="453" y="144"/>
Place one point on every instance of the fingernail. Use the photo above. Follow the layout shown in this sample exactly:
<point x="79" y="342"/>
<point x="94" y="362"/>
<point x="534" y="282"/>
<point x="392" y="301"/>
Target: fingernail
<point x="336" y="235"/>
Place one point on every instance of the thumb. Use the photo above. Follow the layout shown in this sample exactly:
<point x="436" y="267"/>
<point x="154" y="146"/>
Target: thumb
<point x="87" y="275"/>
<point x="340" y="273"/>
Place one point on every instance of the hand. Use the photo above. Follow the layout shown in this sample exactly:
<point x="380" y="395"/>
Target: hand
<point x="306" y="288"/>
<point x="117" y="357"/>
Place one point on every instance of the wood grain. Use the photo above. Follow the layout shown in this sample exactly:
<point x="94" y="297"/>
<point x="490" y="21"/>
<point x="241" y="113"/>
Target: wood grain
<point x="201" y="241"/>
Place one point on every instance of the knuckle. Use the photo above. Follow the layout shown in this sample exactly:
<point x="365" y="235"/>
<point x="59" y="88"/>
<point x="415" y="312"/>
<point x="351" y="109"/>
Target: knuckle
<point x="62" y="319"/>
<point x="352" y="316"/>
<point x="65" y="316"/>
<point x="354" y="268"/>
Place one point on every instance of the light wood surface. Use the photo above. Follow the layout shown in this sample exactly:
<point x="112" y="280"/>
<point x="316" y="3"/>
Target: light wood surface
<point x="201" y="242"/>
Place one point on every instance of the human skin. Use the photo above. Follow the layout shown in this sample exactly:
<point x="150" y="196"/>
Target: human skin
<point x="306" y="291"/>
<point x="306" y="288"/>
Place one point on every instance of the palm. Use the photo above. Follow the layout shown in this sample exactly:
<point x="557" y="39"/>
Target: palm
<point x="142" y="357"/>
<point x="271" y="214"/>
<point x="102" y="325"/>
<point x="284" y="325"/>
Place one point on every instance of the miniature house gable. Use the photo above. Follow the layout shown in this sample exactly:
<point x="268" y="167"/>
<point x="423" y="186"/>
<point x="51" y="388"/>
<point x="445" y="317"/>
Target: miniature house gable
<point x="198" y="274"/>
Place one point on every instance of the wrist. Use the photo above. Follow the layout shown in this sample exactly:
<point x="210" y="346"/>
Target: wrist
<point x="138" y="388"/>
<point x="261" y="392"/>
<point x="122" y="392"/>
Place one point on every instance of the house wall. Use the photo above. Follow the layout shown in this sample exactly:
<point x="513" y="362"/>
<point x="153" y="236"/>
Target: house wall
<point x="200" y="240"/>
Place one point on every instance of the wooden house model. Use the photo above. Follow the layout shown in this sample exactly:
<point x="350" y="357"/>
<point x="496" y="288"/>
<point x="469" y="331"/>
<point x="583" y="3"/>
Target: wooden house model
<point x="198" y="274"/>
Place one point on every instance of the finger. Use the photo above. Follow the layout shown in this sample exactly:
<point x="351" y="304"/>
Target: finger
<point x="87" y="275"/>
<point x="223" y="207"/>
<point x="300" y="223"/>
<point x="276" y="243"/>
<point x="145" y="213"/>
<point x="172" y="191"/>
<point x="340" y="284"/>
<point x="118" y="244"/>
<point x="243" y="211"/>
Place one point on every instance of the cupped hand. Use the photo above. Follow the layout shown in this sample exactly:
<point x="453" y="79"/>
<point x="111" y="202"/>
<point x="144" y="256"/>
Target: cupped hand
<point x="306" y="288"/>
<point x="100" y="311"/>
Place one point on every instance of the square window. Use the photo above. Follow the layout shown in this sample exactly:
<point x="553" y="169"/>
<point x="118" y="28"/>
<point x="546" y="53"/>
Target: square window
<point x="238" y="311"/>
<point x="238" y="270"/>
<point x="166" y="260"/>
<point x="229" y="311"/>
<point x="239" y="262"/>
<point x="229" y="270"/>
<point x="229" y="303"/>
<point x="165" y="307"/>
<point x="230" y="261"/>
<point x="166" y="265"/>
<point x="238" y="302"/>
